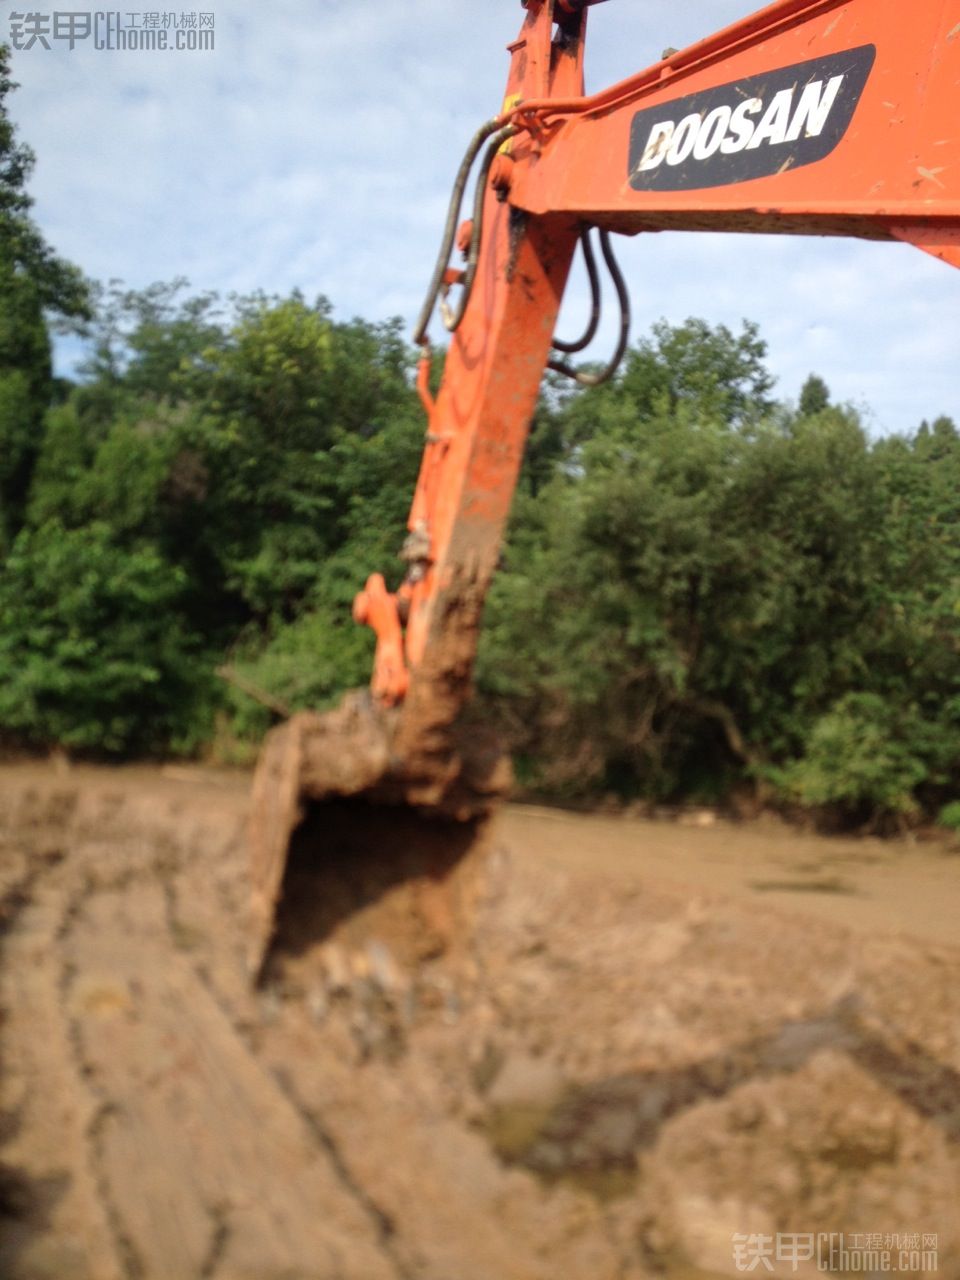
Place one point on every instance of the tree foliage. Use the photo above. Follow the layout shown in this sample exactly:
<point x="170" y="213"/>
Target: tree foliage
<point x="702" y="588"/>
<point x="258" y="455"/>
<point x="724" y="589"/>
<point x="35" y="284"/>
<point x="94" y="651"/>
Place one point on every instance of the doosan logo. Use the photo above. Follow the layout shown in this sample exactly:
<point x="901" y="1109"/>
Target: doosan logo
<point x="750" y="128"/>
<point x="730" y="129"/>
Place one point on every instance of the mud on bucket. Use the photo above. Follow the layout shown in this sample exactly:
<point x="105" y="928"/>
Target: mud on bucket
<point x="339" y="766"/>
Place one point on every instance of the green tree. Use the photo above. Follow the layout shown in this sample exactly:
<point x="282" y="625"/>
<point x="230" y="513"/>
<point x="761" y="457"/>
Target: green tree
<point x="34" y="284"/>
<point x="146" y="345"/>
<point x="285" y="406"/>
<point x="702" y="588"/>
<point x="710" y="580"/>
<point x="619" y="563"/>
<point x="94" y="652"/>
<point x="814" y="396"/>
<point x="266" y="453"/>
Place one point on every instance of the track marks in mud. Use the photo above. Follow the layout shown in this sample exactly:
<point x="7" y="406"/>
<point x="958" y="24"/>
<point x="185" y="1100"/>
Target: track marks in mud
<point x="208" y="1165"/>
<point x="382" y="1222"/>
<point x="170" y="1149"/>
<point x="241" y="1016"/>
<point x="195" y="1128"/>
<point x="56" y="1111"/>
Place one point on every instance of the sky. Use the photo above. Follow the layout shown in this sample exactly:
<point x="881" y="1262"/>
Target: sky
<point x="315" y="147"/>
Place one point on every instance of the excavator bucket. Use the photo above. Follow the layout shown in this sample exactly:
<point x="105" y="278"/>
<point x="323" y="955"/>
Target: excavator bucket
<point x="354" y="752"/>
<point x="348" y="753"/>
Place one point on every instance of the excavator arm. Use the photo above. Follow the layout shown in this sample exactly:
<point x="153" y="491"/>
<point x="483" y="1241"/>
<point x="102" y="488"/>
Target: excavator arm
<point x="825" y="117"/>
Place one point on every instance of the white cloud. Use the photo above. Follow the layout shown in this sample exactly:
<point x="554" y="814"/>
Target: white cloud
<point x="316" y="146"/>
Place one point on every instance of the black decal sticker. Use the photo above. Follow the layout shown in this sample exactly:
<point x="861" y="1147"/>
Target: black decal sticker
<point x="752" y="128"/>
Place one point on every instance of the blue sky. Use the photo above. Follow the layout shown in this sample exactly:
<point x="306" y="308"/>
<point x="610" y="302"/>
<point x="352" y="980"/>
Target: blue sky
<point x="315" y="147"/>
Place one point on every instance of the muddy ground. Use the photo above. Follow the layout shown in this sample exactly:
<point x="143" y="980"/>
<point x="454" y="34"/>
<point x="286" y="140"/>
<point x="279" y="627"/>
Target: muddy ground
<point x="551" y="1046"/>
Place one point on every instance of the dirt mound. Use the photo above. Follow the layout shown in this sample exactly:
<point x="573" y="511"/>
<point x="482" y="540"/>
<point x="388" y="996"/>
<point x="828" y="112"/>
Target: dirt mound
<point x="464" y="1059"/>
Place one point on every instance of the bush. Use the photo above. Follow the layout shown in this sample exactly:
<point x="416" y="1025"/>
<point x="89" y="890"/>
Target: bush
<point x="863" y="757"/>
<point x="307" y="664"/>
<point x="93" y="653"/>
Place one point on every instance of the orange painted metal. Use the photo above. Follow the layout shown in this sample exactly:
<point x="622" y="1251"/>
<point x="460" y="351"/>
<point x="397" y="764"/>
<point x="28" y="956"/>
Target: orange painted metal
<point x="851" y="127"/>
<point x="375" y="607"/>
<point x="478" y="424"/>
<point x="896" y="168"/>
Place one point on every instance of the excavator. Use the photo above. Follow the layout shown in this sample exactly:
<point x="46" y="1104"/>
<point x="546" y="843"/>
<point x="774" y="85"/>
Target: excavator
<point x="810" y="117"/>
